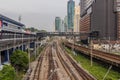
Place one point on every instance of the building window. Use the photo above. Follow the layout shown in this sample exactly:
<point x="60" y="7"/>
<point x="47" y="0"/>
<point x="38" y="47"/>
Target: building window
<point x="5" y="24"/>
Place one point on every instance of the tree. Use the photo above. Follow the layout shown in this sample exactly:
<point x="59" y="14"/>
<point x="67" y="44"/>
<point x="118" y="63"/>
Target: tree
<point x="42" y="31"/>
<point x="7" y="73"/>
<point x="19" y="60"/>
<point x="32" y="29"/>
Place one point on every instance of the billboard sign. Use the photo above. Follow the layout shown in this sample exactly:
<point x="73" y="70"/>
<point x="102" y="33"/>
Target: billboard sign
<point x="0" y="25"/>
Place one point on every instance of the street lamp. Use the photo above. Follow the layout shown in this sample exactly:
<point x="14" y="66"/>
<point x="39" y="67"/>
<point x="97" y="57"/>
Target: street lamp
<point x="73" y="43"/>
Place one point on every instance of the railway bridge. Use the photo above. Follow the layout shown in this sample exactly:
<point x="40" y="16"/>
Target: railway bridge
<point x="44" y="34"/>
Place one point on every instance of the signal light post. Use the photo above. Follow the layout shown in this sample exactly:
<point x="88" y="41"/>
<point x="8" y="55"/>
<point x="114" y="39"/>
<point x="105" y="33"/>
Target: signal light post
<point x="94" y="34"/>
<point x="91" y="52"/>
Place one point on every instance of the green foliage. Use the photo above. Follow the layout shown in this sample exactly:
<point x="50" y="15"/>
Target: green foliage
<point x="19" y="60"/>
<point x="20" y="75"/>
<point x="39" y="50"/>
<point x="32" y="29"/>
<point x="97" y="69"/>
<point x="7" y="73"/>
<point x="42" y="31"/>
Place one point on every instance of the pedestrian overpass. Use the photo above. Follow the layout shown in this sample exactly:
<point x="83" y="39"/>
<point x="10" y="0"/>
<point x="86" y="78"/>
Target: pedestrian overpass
<point x="44" y="34"/>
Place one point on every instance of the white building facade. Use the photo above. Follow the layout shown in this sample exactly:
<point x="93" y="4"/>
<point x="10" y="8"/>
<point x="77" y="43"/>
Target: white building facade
<point x="77" y="19"/>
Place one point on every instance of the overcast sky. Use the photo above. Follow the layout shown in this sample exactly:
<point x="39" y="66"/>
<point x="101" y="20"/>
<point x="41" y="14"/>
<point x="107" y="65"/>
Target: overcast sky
<point x="35" y="13"/>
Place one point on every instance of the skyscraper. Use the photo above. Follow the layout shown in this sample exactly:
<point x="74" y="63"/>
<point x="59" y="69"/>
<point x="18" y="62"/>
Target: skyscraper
<point x="117" y="11"/>
<point x="77" y="19"/>
<point x="70" y="14"/>
<point x="101" y="16"/>
<point x="85" y="10"/>
<point x="57" y="24"/>
<point x="62" y="26"/>
<point x="65" y="23"/>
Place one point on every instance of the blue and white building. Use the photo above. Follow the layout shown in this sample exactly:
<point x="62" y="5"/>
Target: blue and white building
<point x="7" y="24"/>
<point x="13" y="37"/>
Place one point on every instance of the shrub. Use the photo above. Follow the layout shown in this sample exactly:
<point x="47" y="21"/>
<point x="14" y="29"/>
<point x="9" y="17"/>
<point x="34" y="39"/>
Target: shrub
<point x="19" y="60"/>
<point x="7" y="73"/>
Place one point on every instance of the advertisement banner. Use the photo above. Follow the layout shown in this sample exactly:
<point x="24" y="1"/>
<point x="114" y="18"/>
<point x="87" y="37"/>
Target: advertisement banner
<point x="0" y="25"/>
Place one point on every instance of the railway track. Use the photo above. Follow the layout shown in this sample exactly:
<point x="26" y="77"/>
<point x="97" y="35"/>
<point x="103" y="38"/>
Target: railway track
<point x="106" y="57"/>
<point x="45" y="67"/>
<point x="52" y="74"/>
<point x="83" y="74"/>
<point x="54" y="64"/>
<point x="66" y="67"/>
<point x="38" y="68"/>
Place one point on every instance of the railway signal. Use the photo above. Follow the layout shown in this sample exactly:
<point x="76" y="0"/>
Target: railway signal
<point x="93" y="35"/>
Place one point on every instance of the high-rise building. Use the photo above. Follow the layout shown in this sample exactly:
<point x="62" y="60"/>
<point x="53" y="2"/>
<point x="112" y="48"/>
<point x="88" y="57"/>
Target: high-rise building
<point x="65" y="24"/>
<point x="70" y="14"/>
<point x="85" y="15"/>
<point x="62" y="26"/>
<point x="77" y="19"/>
<point x="57" y="24"/>
<point x="117" y="11"/>
<point x="101" y="16"/>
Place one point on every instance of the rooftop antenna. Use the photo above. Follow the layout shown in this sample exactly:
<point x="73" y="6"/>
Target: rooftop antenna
<point x="19" y="18"/>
